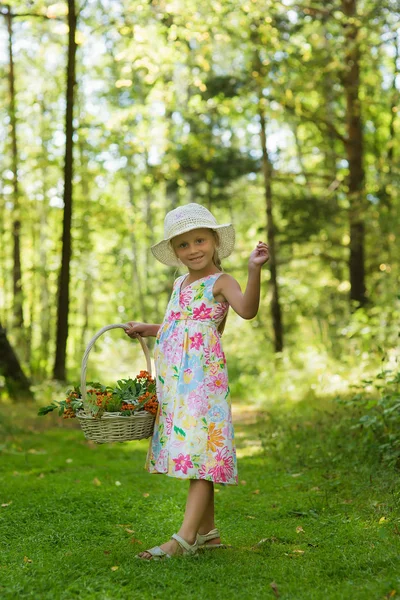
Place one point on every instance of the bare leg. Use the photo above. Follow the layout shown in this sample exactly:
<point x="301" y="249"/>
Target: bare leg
<point x="208" y="521"/>
<point x="200" y="496"/>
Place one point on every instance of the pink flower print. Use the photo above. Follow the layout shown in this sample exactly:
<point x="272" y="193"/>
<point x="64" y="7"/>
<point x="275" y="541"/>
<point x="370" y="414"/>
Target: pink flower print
<point x="197" y="403"/>
<point x="168" y="424"/>
<point x="183" y="463"/>
<point x="186" y="296"/>
<point x="196" y="341"/>
<point x="223" y="470"/>
<point x="202" y="312"/>
<point x="217" y="350"/>
<point x="218" y="383"/>
<point x="220" y="310"/>
<point x="162" y="460"/>
<point x="173" y="316"/>
<point x="202" y="471"/>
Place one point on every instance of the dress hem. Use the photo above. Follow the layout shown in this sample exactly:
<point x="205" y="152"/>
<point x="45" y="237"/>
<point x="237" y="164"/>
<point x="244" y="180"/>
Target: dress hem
<point x="188" y="478"/>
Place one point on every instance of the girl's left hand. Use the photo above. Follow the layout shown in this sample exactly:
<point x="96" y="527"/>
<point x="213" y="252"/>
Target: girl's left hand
<point x="260" y="255"/>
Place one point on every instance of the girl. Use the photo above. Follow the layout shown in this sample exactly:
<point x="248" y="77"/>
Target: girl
<point x="193" y="433"/>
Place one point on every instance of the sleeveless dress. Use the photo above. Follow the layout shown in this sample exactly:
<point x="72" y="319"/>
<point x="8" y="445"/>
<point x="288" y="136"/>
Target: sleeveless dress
<point x="193" y="433"/>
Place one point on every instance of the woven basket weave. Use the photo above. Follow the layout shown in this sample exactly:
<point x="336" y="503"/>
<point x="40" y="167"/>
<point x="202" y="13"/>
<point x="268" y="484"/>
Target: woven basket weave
<point x="112" y="426"/>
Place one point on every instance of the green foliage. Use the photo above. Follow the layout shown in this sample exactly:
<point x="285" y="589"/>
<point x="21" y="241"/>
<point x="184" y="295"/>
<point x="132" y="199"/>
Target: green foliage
<point x="377" y="406"/>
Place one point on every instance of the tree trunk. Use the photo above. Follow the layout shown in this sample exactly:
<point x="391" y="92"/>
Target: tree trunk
<point x="136" y="279"/>
<point x="267" y="173"/>
<point x="44" y="302"/>
<point x="16" y="226"/>
<point x="17" y="384"/>
<point x="63" y="286"/>
<point x="354" y="151"/>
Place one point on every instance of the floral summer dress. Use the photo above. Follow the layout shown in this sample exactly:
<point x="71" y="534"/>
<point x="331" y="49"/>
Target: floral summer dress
<point x="193" y="433"/>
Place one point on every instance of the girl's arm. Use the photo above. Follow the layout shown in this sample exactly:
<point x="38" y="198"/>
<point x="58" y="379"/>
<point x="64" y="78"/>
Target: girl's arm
<point x="245" y="304"/>
<point x="143" y="329"/>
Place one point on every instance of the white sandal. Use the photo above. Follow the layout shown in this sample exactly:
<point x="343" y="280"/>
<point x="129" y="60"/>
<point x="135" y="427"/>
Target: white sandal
<point x="158" y="553"/>
<point x="202" y="540"/>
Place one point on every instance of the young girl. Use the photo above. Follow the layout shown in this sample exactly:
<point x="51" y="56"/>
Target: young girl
<point x="193" y="433"/>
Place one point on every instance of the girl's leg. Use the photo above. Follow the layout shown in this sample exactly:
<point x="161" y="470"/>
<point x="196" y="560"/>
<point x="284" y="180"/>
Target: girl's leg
<point x="208" y="522"/>
<point x="200" y="496"/>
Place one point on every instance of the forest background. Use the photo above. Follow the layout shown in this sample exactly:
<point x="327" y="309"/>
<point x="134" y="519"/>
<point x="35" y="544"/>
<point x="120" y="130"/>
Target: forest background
<point x="280" y="116"/>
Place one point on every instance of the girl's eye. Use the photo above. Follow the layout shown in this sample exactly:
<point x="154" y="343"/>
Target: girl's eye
<point x="182" y="245"/>
<point x="200" y="240"/>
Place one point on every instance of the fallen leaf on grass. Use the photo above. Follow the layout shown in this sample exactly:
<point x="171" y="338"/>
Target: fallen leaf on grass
<point x="114" y="568"/>
<point x="6" y="504"/>
<point x="296" y="474"/>
<point x="243" y="482"/>
<point x="346" y="501"/>
<point x="298" y="551"/>
<point x="69" y="460"/>
<point x="216" y="491"/>
<point x="256" y="492"/>
<point x="390" y="595"/>
<point x="41" y="476"/>
<point x="107" y="551"/>
<point x="315" y="489"/>
<point x="249" y="517"/>
<point x="274" y="589"/>
<point x="299" y="529"/>
<point x="146" y="495"/>
<point x="382" y="520"/>
<point x="96" y="481"/>
<point x="264" y="540"/>
<point x="135" y="541"/>
<point x="27" y="560"/>
<point x="124" y="525"/>
<point x="129" y="530"/>
<point x="118" y="483"/>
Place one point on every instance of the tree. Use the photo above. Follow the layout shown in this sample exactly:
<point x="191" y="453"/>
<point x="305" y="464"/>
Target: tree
<point x="63" y="285"/>
<point x="17" y="383"/>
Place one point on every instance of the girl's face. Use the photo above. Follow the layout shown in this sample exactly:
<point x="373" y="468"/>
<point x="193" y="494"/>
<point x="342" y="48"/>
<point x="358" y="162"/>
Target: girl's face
<point x="195" y="248"/>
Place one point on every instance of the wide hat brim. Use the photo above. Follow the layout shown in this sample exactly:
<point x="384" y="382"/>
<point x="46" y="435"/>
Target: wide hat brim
<point x="164" y="252"/>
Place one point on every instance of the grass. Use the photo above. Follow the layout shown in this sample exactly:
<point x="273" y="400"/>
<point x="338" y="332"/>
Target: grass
<point x="315" y="514"/>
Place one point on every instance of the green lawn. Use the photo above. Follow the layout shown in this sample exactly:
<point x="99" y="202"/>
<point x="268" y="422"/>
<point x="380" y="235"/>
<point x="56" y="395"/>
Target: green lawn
<point x="314" y="515"/>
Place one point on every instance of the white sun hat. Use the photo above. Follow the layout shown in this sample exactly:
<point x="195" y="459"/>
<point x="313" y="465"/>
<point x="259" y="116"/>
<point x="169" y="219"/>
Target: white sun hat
<point x="188" y="217"/>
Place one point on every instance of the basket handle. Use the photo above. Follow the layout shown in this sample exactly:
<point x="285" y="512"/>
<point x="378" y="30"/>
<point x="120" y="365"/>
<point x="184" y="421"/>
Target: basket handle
<point x="91" y="344"/>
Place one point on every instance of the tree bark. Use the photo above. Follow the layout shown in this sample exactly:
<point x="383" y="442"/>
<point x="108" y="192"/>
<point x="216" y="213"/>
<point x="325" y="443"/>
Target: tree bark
<point x="16" y="226"/>
<point x="63" y="286"/>
<point x="354" y="152"/>
<point x="136" y="279"/>
<point x="17" y="384"/>
<point x="267" y="173"/>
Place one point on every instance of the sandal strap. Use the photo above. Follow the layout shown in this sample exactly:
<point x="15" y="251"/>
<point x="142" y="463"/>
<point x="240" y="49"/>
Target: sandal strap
<point x="206" y="537"/>
<point x="157" y="551"/>
<point x="187" y="548"/>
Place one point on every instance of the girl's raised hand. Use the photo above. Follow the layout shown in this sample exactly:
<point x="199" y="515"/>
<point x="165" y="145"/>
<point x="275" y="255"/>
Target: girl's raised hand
<point x="260" y="255"/>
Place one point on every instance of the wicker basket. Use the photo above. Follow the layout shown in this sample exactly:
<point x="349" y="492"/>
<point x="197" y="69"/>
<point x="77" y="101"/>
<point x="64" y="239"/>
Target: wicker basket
<point x="113" y="426"/>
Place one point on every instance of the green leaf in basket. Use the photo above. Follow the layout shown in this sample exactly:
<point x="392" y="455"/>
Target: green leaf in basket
<point x="46" y="409"/>
<point x="161" y="379"/>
